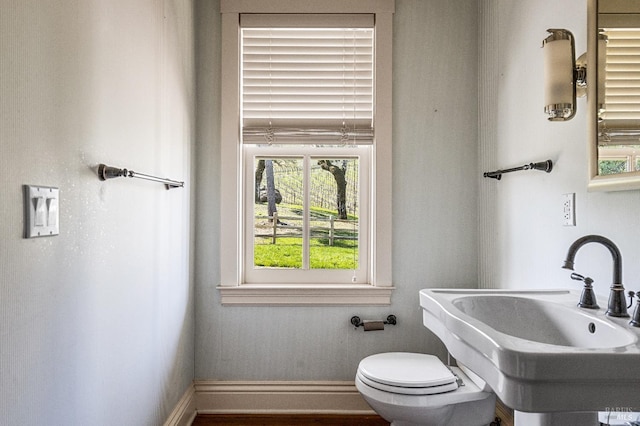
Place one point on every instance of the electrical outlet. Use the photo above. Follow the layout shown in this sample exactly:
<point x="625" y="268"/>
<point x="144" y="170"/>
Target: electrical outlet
<point x="569" y="209"/>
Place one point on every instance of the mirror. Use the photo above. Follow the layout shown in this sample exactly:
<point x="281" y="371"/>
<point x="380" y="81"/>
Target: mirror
<point x="613" y="94"/>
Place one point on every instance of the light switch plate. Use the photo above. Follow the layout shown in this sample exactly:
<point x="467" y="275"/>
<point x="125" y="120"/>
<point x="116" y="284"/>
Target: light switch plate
<point x="41" y="211"/>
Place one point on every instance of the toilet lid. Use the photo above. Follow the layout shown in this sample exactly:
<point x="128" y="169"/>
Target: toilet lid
<point x="408" y="370"/>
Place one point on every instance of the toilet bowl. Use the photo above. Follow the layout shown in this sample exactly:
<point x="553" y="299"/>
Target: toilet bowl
<point x="410" y="389"/>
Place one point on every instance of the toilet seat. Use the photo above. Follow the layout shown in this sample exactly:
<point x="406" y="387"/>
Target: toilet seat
<point x="407" y="374"/>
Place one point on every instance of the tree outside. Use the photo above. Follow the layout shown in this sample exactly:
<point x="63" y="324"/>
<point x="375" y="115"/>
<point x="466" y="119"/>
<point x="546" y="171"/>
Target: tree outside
<point x="333" y="213"/>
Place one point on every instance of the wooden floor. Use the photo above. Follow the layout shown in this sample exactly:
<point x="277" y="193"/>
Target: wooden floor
<point x="287" y="420"/>
<point x="504" y="413"/>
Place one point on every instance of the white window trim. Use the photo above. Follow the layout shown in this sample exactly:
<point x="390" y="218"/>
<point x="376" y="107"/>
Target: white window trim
<point x="362" y="273"/>
<point x="232" y="290"/>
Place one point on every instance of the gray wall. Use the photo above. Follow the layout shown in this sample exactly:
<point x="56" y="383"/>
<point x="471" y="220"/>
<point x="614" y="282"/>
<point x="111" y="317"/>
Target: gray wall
<point x="435" y="204"/>
<point x="525" y="228"/>
<point x="96" y="324"/>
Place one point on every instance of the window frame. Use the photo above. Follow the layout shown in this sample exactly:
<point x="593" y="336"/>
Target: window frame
<point x="233" y="290"/>
<point x="362" y="274"/>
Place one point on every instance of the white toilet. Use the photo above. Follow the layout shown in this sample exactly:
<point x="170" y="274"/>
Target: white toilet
<point x="410" y="389"/>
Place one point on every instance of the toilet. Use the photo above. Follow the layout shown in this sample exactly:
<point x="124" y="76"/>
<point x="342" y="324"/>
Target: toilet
<point x="411" y="389"/>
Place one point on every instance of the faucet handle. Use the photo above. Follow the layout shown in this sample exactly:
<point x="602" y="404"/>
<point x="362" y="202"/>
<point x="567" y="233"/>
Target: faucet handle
<point x="577" y="277"/>
<point x="632" y="294"/>
<point x="588" y="297"/>
<point x="635" y="319"/>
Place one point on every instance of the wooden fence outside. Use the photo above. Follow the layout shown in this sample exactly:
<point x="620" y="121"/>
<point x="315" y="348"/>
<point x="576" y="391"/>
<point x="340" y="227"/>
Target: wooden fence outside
<point x="324" y="232"/>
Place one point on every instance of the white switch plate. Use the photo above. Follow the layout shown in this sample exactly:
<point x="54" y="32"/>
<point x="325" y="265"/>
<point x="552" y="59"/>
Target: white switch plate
<point x="569" y="209"/>
<point x="41" y="211"/>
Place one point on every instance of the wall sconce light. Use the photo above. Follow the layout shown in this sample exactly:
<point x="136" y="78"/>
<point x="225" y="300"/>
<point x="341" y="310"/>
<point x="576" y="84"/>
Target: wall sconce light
<point x="565" y="77"/>
<point x="602" y="61"/>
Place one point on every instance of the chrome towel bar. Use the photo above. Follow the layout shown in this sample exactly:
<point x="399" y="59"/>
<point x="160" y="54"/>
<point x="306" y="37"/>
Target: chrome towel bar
<point x="107" y="172"/>
<point x="545" y="166"/>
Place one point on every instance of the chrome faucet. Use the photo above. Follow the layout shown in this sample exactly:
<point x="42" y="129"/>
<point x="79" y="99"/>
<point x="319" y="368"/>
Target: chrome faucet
<point x="617" y="306"/>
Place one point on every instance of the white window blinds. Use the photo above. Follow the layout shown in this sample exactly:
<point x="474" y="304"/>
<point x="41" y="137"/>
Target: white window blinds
<point x="622" y="79"/>
<point x="307" y="79"/>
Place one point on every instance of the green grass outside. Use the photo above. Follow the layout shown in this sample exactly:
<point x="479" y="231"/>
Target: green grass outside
<point x="287" y="253"/>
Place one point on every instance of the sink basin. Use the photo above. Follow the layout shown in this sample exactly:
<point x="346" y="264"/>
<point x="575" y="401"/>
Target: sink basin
<point x="537" y="350"/>
<point x="542" y="322"/>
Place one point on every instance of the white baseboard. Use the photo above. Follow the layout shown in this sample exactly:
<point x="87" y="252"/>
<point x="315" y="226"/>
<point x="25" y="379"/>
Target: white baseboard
<point x="327" y="397"/>
<point x="185" y="411"/>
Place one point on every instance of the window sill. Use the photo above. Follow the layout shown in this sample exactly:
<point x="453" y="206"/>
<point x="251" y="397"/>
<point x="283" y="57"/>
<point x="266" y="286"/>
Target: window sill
<point x="304" y="295"/>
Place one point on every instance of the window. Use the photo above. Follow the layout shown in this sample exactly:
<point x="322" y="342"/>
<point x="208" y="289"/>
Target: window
<point x="301" y="234"/>
<point x="306" y="149"/>
<point x="614" y="159"/>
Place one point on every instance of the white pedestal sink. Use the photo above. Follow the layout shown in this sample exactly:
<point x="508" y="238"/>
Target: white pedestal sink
<point x="539" y="352"/>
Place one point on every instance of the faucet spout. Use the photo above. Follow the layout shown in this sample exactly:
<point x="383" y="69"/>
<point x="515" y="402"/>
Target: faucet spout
<point x="615" y="253"/>
<point x="617" y="303"/>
